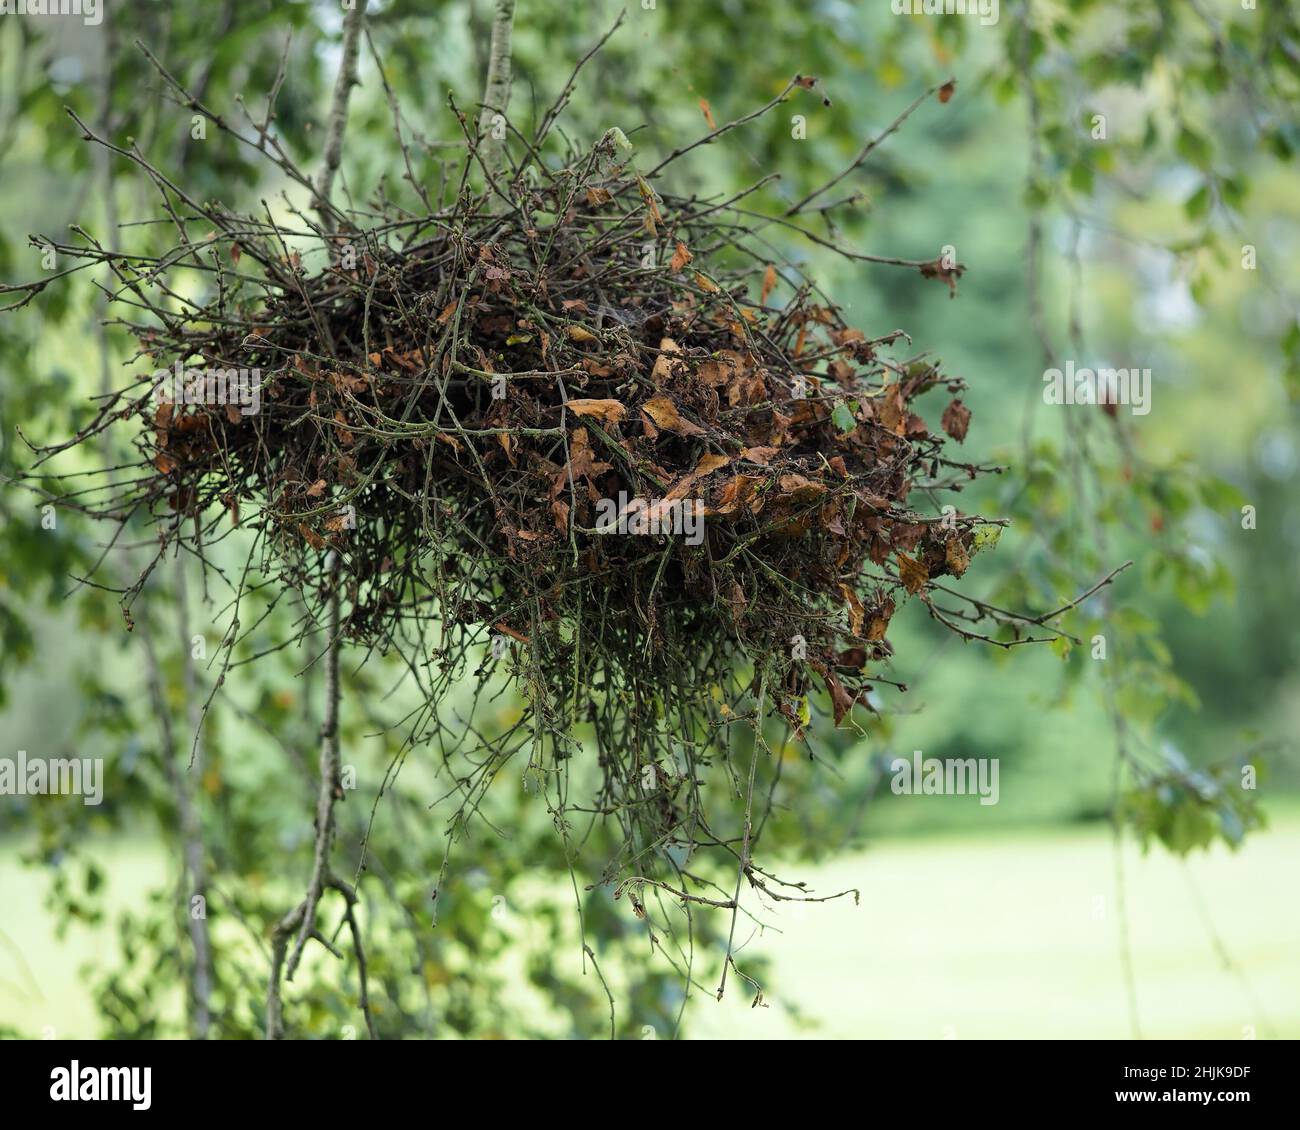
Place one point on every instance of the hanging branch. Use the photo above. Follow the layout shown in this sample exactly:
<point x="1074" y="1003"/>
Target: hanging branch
<point x="303" y="918"/>
<point x="329" y="787"/>
<point x="301" y="921"/>
<point x="496" y="92"/>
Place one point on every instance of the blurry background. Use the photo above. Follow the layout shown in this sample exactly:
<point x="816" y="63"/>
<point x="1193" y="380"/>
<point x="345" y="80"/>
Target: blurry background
<point x="1161" y="234"/>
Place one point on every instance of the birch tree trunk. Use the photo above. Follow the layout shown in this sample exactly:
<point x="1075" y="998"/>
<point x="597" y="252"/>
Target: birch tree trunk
<point x="496" y="91"/>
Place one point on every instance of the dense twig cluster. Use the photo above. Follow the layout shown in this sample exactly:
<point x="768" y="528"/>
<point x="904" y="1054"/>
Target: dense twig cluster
<point x="451" y="404"/>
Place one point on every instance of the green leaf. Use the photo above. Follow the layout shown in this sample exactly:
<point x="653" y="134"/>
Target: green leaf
<point x="1081" y="177"/>
<point x="1198" y="204"/>
<point x="1194" y="148"/>
<point x="1234" y="189"/>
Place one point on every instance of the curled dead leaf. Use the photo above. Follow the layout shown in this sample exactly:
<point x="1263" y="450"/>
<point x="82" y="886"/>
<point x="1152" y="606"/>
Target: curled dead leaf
<point x="662" y="370"/>
<point x="956" y="420"/>
<point x="666" y="417"/>
<point x="706" y="465"/>
<point x="738" y="600"/>
<point x="507" y="442"/>
<point x="710" y="463"/>
<point x="800" y="487"/>
<point x="841" y="700"/>
<point x="736" y="493"/>
<point x="608" y="411"/>
<point x="914" y="575"/>
<point x="956" y="557"/>
<point x="857" y="614"/>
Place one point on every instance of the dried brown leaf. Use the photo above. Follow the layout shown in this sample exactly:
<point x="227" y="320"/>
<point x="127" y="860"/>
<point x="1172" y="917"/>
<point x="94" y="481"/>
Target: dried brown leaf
<point x="663" y="370"/>
<point x="956" y="557"/>
<point x="856" y="612"/>
<point x="608" y="411"/>
<point x="666" y="417"/>
<point x="311" y="536"/>
<point x="956" y="420"/>
<point x="912" y="573"/>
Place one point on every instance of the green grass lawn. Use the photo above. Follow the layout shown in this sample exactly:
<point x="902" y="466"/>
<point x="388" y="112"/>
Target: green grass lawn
<point x="1000" y="935"/>
<point x="42" y="991"/>
<point x="1016" y="935"/>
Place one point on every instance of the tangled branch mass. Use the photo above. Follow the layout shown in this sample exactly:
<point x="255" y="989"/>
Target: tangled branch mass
<point x="444" y="403"/>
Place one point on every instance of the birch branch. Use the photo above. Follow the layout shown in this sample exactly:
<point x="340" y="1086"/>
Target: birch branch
<point x="338" y="119"/>
<point x="329" y="788"/>
<point x="496" y="92"/>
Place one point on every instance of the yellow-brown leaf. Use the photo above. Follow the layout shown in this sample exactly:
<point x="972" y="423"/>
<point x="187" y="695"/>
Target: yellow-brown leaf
<point x="912" y="573"/>
<point x="311" y="536"/>
<point x="608" y="411"/>
<point x="662" y="370"/>
<point x="856" y="613"/>
<point x="666" y="417"/>
<point x="957" y="558"/>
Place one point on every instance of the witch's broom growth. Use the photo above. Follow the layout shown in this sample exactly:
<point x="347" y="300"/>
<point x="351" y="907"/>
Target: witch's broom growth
<point x="450" y="408"/>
